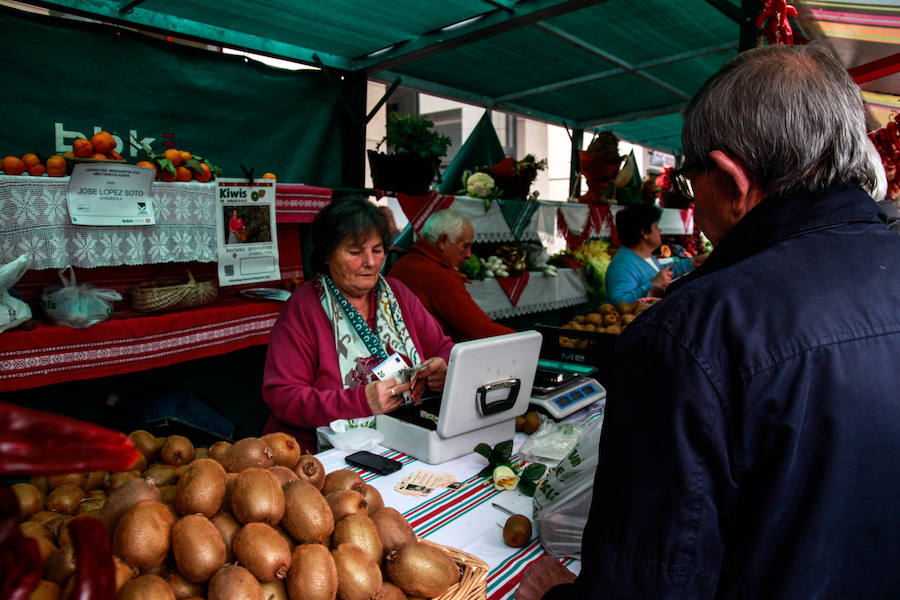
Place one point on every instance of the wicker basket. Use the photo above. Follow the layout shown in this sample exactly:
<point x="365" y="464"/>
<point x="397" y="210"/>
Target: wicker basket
<point x="473" y="582"/>
<point x="162" y="295"/>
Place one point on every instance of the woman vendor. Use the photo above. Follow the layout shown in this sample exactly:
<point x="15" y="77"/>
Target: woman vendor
<point x="334" y="331"/>
<point x="634" y="271"/>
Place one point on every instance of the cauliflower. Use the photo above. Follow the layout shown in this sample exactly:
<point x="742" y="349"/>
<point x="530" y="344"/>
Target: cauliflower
<point x="479" y="185"/>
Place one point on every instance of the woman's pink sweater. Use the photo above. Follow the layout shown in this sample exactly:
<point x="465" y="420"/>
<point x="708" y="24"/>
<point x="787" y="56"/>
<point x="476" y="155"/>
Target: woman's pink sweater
<point x="302" y="384"/>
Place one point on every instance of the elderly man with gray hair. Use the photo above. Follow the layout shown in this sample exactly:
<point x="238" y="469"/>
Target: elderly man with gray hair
<point x="431" y="270"/>
<point x="752" y="427"/>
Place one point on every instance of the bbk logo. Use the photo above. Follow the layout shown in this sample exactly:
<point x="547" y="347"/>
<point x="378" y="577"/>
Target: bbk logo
<point x="63" y="139"/>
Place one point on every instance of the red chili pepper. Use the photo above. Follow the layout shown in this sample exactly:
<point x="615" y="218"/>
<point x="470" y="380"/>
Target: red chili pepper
<point x="506" y="167"/>
<point x="893" y="129"/>
<point x="36" y="443"/>
<point x="20" y="558"/>
<point x="95" y="573"/>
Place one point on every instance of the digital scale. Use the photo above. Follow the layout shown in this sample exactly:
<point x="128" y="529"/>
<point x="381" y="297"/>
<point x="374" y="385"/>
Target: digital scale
<point x="561" y="388"/>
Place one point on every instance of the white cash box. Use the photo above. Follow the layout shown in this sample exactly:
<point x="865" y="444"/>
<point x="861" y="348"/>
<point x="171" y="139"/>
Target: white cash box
<point x="488" y="384"/>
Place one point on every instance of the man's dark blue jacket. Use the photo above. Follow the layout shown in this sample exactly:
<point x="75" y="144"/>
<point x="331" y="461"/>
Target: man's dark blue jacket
<point x="751" y="447"/>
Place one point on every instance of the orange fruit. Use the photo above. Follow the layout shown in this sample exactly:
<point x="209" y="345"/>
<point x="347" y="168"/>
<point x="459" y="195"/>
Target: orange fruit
<point x="173" y="155"/>
<point x="114" y="155"/>
<point x="185" y="156"/>
<point x="69" y="153"/>
<point x="30" y="160"/>
<point x="13" y="165"/>
<point x="269" y="176"/>
<point x="37" y="170"/>
<point x="182" y="174"/>
<point x="146" y="164"/>
<point x="98" y="155"/>
<point x="82" y="147"/>
<point x="164" y="175"/>
<point x="205" y="176"/>
<point x="56" y="166"/>
<point x="103" y="142"/>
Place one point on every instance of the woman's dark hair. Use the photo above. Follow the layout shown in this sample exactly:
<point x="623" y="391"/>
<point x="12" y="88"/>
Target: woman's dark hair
<point x="633" y="221"/>
<point x="351" y="218"/>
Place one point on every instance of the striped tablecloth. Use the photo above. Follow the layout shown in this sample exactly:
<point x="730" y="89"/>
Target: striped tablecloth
<point x="465" y="519"/>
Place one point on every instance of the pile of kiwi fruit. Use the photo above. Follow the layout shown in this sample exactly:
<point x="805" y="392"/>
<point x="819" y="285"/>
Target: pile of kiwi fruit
<point x="252" y="520"/>
<point x="606" y="319"/>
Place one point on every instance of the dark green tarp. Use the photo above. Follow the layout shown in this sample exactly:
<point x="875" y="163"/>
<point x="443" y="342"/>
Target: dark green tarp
<point x="65" y="76"/>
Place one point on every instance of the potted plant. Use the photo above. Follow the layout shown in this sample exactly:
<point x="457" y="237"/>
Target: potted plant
<point x="415" y="159"/>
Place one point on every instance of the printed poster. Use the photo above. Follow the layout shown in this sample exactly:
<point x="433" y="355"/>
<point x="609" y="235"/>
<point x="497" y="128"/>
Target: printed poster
<point x="247" y="242"/>
<point x="110" y="194"/>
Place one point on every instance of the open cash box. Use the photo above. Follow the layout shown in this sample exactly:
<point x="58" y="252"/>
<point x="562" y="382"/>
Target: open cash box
<point x="488" y="383"/>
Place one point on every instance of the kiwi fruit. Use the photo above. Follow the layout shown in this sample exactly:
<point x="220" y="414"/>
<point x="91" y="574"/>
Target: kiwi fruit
<point x="160" y="474"/>
<point x="283" y="533"/>
<point x="389" y="591"/>
<point x="359" y="529"/>
<point x="65" y="498"/>
<point x="55" y="525"/>
<point x="79" y="479"/>
<point x="177" y="450"/>
<point x="274" y="590"/>
<point x="124" y="497"/>
<point x="46" y="548"/>
<point x="45" y="590"/>
<point x="198" y="548"/>
<point x="421" y="569"/>
<point x="246" y="453"/>
<point x="359" y="577"/>
<point x="284" y="447"/>
<point x="117" y="479"/>
<point x="40" y="483"/>
<point x="60" y="565"/>
<point x="167" y="494"/>
<point x="342" y="479"/>
<point x="34" y="529"/>
<point x="308" y="468"/>
<point x="393" y="528"/>
<point x="146" y="587"/>
<point x="89" y="504"/>
<point x="374" y="501"/>
<point x="218" y="450"/>
<point x="227" y="526"/>
<point x="233" y="582"/>
<point x="140" y="463"/>
<point x="201" y="489"/>
<point x="30" y="499"/>
<point x="257" y="496"/>
<point x="517" y="531"/>
<point x="124" y="572"/>
<point x="283" y="475"/>
<point x="147" y="443"/>
<point x="346" y="502"/>
<point x="95" y="480"/>
<point x="142" y="537"/>
<point x="307" y="516"/>
<point x="184" y="588"/>
<point x="262" y="551"/>
<point x="312" y="575"/>
<point x="43" y="517"/>
<point x="201" y="453"/>
<point x="230" y="478"/>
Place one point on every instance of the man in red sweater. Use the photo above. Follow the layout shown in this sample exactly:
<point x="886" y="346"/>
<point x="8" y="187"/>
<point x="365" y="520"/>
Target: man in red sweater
<point x="431" y="270"/>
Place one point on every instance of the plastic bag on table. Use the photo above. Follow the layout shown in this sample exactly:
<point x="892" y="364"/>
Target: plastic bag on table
<point x="13" y="311"/>
<point x="77" y="306"/>
<point x="562" y="502"/>
<point x="551" y="442"/>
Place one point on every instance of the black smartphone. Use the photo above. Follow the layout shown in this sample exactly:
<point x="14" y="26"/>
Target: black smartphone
<point x="373" y="462"/>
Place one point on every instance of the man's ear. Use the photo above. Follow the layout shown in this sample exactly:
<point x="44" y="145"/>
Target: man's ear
<point x="442" y="241"/>
<point x="747" y="193"/>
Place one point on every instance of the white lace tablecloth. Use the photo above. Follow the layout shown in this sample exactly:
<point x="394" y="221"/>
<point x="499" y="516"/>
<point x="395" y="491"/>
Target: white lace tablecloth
<point x="542" y="293"/>
<point x="34" y="220"/>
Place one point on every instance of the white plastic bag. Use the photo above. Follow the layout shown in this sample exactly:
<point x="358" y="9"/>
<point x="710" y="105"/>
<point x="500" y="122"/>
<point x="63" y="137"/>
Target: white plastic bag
<point x="77" y="306"/>
<point x="13" y="312"/>
<point x="562" y="502"/>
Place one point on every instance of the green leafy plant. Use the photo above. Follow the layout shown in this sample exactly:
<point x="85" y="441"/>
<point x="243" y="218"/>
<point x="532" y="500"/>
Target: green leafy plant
<point x="412" y="135"/>
<point x="498" y="456"/>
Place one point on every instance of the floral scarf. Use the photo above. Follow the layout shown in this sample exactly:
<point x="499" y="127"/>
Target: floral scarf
<point x="356" y="358"/>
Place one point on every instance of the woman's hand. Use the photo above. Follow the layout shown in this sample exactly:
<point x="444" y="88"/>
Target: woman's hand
<point x="435" y="373"/>
<point x="384" y="396"/>
<point x="663" y="278"/>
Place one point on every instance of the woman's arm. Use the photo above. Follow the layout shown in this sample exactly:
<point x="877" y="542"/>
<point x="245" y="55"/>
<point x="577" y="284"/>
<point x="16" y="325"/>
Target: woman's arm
<point x="302" y="384"/>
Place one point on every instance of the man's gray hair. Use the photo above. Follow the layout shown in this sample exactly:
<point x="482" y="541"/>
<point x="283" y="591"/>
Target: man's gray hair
<point x="447" y="221"/>
<point x="880" y="186"/>
<point x="792" y="115"/>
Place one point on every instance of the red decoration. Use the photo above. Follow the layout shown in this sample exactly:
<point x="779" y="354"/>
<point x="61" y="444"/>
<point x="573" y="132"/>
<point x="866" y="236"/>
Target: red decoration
<point x="775" y="15"/>
<point x="887" y="141"/>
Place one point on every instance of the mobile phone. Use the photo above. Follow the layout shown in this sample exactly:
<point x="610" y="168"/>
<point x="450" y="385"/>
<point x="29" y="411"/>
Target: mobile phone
<point x="373" y="462"/>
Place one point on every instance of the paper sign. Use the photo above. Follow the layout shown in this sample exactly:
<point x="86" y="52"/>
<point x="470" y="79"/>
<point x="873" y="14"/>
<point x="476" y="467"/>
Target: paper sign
<point x="110" y="194"/>
<point x="247" y="239"/>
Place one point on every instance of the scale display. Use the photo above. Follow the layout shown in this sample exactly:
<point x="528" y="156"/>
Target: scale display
<point x="561" y="389"/>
